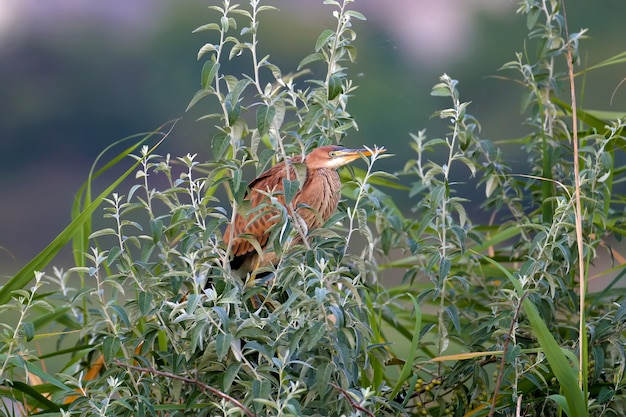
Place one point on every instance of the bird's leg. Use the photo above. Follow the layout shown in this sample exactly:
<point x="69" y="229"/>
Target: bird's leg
<point x="253" y="270"/>
<point x="258" y="300"/>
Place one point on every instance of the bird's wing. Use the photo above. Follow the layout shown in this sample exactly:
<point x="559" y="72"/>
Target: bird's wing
<point x="273" y="177"/>
<point x="254" y="223"/>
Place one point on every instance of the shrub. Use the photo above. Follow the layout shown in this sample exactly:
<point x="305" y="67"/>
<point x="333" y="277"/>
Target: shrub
<point x="489" y="319"/>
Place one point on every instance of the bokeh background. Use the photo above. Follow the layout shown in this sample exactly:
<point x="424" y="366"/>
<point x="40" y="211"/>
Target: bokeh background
<point x="77" y="75"/>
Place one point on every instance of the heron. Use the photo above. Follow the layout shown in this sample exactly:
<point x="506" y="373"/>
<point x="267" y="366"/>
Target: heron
<point x="314" y="203"/>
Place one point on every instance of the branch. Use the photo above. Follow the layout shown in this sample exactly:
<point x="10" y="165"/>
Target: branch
<point x="353" y="403"/>
<point x="505" y="348"/>
<point x="582" y="332"/>
<point x="193" y="381"/>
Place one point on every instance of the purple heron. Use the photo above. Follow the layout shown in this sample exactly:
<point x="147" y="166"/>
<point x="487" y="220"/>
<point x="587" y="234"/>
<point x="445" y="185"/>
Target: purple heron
<point x="315" y="202"/>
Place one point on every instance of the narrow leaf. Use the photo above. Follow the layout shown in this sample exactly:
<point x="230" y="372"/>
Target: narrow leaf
<point x="110" y="346"/>
<point x="291" y="188"/>
<point x="200" y="94"/>
<point x="29" y="330"/>
<point x="310" y="58"/>
<point x="355" y="14"/>
<point x="335" y="87"/>
<point x="222" y="345"/>
<point x="322" y="40"/>
<point x="208" y="26"/>
<point x="208" y="47"/>
<point x="264" y="117"/>
<point x="44" y="402"/>
<point x="230" y="375"/>
<point x="219" y="144"/>
<point x="19" y="362"/>
<point x="114" y="253"/>
<point x="408" y="363"/>
<point x="209" y="69"/>
<point x="145" y="302"/>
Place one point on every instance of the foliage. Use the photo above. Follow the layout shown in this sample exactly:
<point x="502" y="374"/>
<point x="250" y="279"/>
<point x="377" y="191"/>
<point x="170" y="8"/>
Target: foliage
<point x="489" y="318"/>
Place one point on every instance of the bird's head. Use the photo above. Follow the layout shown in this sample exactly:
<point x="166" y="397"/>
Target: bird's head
<point x="333" y="157"/>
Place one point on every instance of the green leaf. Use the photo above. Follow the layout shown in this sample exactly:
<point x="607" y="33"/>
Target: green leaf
<point x="144" y="300"/>
<point x="315" y="334"/>
<point x="563" y="370"/>
<point x="266" y="8"/>
<point x="121" y="314"/>
<point x="114" y="253"/>
<point x="606" y="394"/>
<point x="233" y="111"/>
<point x="230" y="375"/>
<point x="444" y="268"/>
<point x="225" y="21"/>
<point x="323" y="374"/>
<point x="237" y="89"/>
<point x="498" y="237"/>
<point x="20" y="363"/>
<point x="219" y="144"/>
<point x="309" y="59"/>
<point x="42" y="401"/>
<point x="384" y="179"/>
<point x="208" y="26"/>
<point x="561" y="401"/>
<point x="352" y="52"/>
<point x="440" y="90"/>
<point x="157" y="227"/>
<point x="29" y="330"/>
<point x="162" y="339"/>
<point x="261" y="389"/>
<point x="209" y="70"/>
<point x="453" y="313"/>
<point x="208" y="47"/>
<point x="335" y="86"/>
<point x="264" y="117"/>
<point x="110" y="346"/>
<point x="236" y="50"/>
<point x="533" y="15"/>
<point x="59" y="315"/>
<point x="582" y="115"/>
<point x="222" y="345"/>
<point x="407" y="368"/>
<point x="322" y="40"/>
<point x="200" y="94"/>
<point x="103" y="232"/>
<point x="355" y="14"/>
<point x="291" y="188"/>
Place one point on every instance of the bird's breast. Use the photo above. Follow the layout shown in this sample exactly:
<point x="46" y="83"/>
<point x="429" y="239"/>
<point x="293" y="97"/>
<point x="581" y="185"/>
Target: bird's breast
<point x="319" y="196"/>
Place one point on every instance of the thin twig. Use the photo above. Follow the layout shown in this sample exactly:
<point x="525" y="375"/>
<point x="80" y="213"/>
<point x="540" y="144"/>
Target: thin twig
<point x="505" y="348"/>
<point x="353" y="403"/>
<point x="578" y="218"/>
<point x="194" y="381"/>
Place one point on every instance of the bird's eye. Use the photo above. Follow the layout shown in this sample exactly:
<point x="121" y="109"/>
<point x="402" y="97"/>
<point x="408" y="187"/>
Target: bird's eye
<point x="332" y="154"/>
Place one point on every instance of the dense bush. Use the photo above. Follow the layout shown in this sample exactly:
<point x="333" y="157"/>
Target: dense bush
<point x="490" y="319"/>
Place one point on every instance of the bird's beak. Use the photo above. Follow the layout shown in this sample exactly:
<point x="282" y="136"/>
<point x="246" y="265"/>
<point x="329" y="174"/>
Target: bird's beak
<point x="349" y="155"/>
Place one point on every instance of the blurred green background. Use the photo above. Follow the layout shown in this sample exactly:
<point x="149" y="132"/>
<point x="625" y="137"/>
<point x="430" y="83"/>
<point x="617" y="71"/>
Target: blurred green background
<point x="77" y="76"/>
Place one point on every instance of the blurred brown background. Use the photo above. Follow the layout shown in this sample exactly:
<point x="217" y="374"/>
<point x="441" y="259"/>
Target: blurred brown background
<point x="75" y="76"/>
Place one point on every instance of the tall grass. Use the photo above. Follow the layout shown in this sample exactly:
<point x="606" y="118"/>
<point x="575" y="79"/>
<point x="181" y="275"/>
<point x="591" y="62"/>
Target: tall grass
<point x="490" y="319"/>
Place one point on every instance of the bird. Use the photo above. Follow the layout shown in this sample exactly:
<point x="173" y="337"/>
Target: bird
<point x="315" y="202"/>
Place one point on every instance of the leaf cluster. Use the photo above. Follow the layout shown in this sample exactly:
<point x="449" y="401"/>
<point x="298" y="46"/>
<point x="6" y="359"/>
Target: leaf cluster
<point x="490" y="318"/>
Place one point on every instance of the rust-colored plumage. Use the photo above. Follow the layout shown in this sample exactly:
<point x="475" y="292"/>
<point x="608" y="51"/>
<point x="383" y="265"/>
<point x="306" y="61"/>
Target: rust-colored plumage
<point x="314" y="203"/>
